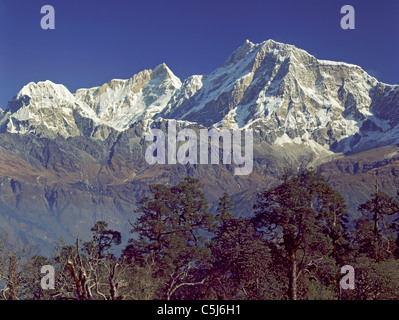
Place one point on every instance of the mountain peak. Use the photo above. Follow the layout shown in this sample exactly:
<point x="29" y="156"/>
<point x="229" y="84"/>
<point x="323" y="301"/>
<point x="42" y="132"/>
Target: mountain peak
<point x="279" y="86"/>
<point x="46" y="93"/>
<point x="162" y="66"/>
<point x="164" y="74"/>
<point x="163" y="71"/>
<point x="240" y="53"/>
<point x="269" y="46"/>
<point x="247" y="43"/>
<point x="45" y="88"/>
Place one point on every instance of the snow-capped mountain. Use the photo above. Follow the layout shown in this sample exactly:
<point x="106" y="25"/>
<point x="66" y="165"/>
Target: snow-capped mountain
<point x="291" y="96"/>
<point x="49" y="109"/>
<point x="120" y="103"/>
<point x="68" y="159"/>
<point x="278" y="89"/>
<point x="40" y="108"/>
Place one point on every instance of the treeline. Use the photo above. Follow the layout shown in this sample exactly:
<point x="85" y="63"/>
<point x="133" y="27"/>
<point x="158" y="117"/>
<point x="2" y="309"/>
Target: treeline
<point x="292" y="246"/>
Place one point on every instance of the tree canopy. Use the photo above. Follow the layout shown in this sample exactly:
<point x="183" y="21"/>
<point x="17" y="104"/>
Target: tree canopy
<point x="292" y="246"/>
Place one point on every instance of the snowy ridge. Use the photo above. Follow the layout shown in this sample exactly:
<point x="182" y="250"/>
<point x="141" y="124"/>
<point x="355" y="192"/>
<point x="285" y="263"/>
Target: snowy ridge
<point x="286" y="91"/>
<point x="120" y="103"/>
<point x="287" y="94"/>
<point x="49" y="109"/>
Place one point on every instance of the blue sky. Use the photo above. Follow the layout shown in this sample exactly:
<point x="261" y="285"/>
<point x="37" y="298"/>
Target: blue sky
<point x="98" y="40"/>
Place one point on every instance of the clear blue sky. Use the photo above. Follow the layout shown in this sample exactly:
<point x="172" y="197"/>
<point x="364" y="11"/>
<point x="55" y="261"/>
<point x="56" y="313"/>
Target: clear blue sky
<point x="97" y="40"/>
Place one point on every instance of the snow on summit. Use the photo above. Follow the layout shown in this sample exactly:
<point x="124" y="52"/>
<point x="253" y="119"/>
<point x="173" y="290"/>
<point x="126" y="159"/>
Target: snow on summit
<point x="120" y="103"/>
<point x="117" y="104"/>
<point x="278" y="88"/>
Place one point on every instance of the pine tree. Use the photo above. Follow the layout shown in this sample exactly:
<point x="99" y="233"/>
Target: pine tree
<point x="306" y="218"/>
<point x="240" y="258"/>
<point x="225" y="209"/>
<point x="374" y="232"/>
<point x="104" y="238"/>
<point x="173" y="230"/>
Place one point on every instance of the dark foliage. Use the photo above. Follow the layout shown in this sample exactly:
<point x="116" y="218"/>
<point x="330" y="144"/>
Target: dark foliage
<point x="293" y="247"/>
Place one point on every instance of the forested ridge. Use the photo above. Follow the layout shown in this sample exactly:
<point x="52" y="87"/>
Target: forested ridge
<point x="291" y="247"/>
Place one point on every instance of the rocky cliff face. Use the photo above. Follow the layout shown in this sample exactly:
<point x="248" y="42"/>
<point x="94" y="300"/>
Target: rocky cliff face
<point x="68" y="160"/>
<point x="292" y="97"/>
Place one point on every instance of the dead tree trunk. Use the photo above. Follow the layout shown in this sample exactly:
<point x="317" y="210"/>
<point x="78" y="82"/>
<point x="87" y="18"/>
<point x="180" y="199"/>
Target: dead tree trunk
<point x="113" y="286"/>
<point x="293" y="276"/>
<point x="13" y="278"/>
<point x="79" y="278"/>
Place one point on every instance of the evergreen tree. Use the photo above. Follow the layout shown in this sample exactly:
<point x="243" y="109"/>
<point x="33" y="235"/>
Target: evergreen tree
<point x="241" y="261"/>
<point x="306" y="219"/>
<point x="374" y="230"/>
<point x="173" y="230"/>
<point x="240" y="258"/>
<point x="104" y="238"/>
<point x="225" y="209"/>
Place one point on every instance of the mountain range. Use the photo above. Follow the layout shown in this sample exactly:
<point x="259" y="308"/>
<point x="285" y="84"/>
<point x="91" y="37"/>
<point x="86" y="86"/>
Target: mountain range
<point x="68" y="159"/>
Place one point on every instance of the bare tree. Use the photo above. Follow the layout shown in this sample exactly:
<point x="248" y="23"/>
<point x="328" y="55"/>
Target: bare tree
<point x="14" y="259"/>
